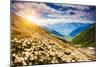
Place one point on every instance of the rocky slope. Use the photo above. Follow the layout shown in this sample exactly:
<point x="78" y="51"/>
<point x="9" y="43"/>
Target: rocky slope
<point x="31" y="44"/>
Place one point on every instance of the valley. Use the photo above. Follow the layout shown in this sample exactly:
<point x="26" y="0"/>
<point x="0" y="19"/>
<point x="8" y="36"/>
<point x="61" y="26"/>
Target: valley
<point x="32" y="45"/>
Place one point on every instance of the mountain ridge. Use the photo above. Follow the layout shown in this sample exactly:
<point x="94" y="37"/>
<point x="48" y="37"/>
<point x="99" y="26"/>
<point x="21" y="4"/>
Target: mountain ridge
<point x="67" y="28"/>
<point x="86" y="38"/>
<point x="31" y="45"/>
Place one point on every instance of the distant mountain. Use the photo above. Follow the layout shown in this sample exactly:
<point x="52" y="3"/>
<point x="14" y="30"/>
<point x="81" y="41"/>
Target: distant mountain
<point x="86" y="38"/>
<point x="53" y="31"/>
<point x="78" y="30"/>
<point x="32" y="44"/>
<point x="68" y="29"/>
<point x="57" y="33"/>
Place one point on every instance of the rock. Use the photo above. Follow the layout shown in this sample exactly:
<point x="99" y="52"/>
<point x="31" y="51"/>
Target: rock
<point x="67" y="53"/>
<point x="46" y="52"/>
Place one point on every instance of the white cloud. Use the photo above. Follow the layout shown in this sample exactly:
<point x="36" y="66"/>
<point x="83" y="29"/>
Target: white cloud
<point x="29" y="8"/>
<point x="49" y="21"/>
<point x="36" y="13"/>
<point x="80" y="7"/>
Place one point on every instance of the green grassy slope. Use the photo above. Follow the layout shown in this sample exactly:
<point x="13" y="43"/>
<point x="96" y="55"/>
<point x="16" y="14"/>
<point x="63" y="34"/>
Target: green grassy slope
<point x="86" y="38"/>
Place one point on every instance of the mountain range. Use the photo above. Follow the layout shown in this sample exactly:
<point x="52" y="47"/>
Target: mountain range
<point x="86" y="38"/>
<point x="31" y="44"/>
<point x="68" y="30"/>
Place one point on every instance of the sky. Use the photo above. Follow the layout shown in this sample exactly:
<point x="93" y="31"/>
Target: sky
<point x="51" y="13"/>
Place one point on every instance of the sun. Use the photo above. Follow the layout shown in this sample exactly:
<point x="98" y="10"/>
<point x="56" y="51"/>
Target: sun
<point x="33" y="19"/>
<point x="37" y="20"/>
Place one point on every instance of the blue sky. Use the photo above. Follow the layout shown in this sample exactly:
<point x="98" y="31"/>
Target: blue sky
<point x="51" y="13"/>
<point x="61" y="17"/>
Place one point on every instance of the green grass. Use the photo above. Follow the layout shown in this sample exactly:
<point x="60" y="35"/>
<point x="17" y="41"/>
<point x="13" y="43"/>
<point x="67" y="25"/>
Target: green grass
<point x="86" y="38"/>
